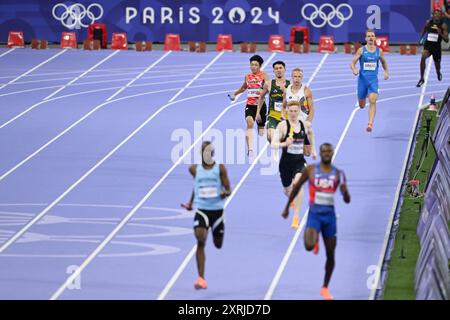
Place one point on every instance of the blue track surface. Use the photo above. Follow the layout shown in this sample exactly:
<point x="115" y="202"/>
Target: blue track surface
<point x="82" y="163"/>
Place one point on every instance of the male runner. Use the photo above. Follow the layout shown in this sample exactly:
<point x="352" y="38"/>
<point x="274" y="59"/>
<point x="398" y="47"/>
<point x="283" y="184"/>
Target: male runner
<point x="368" y="57"/>
<point x="211" y="187"/>
<point x="292" y="137"/>
<point x="296" y="91"/>
<point x="324" y="179"/>
<point x="275" y="88"/>
<point x="253" y="83"/>
<point x="436" y="31"/>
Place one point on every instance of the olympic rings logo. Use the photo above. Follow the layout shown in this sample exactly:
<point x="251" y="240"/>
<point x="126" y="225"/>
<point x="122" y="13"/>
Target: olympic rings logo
<point x="327" y="18"/>
<point x="75" y="14"/>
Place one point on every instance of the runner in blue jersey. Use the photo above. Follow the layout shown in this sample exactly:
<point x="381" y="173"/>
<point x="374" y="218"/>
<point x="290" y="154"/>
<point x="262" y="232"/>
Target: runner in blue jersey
<point x="369" y="57"/>
<point x="324" y="179"/>
<point x="211" y="187"/>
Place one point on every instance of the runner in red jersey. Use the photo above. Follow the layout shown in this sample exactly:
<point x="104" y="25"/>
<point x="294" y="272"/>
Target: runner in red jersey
<point x="253" y="83"/>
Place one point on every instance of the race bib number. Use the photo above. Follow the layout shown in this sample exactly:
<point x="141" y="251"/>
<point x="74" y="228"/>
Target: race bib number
<point x="370" y="66"/>
<point x="277" y="106"/>
<point x="208" y="192"/>
<point x="432" y="37"/>
<point x="295" y="148"/>
<point x="253" y="93"/>
<point x="324" y="198"/>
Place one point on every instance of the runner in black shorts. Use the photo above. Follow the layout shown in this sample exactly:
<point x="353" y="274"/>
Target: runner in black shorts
<point x="291" y="136"/>
<point x="253" y="83"/>
<point x="436" y="31"/>
<point x="211" y="187"/>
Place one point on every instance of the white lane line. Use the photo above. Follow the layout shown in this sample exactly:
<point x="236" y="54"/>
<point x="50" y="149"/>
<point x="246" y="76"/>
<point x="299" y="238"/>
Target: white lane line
<point x="7" y="52"/>
<point x="191" y="253"/>
<point x="303" y="222"/>
<point x="198" y="75"/>
<point x="83" y="74"/>
<point x="3" y="176"/>
<point x="139" y="76"/>
<point x="32" y="69"/>
<point x="377" y="283"/>
<point x="294" y="240"/>
<point x="140" y="203"/>
<point x="92" y="169"/>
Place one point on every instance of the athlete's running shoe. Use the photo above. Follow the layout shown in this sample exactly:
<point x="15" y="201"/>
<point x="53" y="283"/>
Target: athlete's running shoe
<point x="295" y="222"/>
<point x="369" y="127"/>
<point x="200" y="283"/>
<point x="316" y="248"/>
<point x="420" y="83"/>
<point x="325" y="293"/>
<point x="439" y="76"/>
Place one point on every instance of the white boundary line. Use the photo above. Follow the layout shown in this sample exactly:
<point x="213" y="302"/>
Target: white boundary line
<point x="198" y="75"/>
<point x="34" y="68"/>
<point x="7" y="52"/>
<point x="139" y="76"/>
<point x="82" y="75"/>
<point x="191" y="253"/>
<point x="78" y="271"/>
<point x="18" y="234"/>
<point x="397" y="192"/>
<point x="294" y="240"/>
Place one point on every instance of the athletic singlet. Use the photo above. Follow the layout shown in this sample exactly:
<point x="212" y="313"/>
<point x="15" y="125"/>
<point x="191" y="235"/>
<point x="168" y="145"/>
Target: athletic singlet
<point x="255" y="81"/>
<point x="323" y="186"/>
<point x="207" y="188"/>
<point x="300" y="97"/>
<point x="276" y="99"/>
<point x="295" y="150"/>
<point x="368" y="63"/>
<point x="432" y="35"/>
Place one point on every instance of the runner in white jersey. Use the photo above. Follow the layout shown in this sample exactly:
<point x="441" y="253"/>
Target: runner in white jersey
<point x="299" y="92"/>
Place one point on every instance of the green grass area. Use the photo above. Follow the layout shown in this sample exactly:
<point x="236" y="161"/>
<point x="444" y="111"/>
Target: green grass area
<point x="402" y="267"/>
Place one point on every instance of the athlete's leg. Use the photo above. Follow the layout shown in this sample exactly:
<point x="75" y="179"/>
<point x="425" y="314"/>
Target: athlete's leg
<point x="249" y="134"/>
<point x="425" y="55"/>
<point x="262" y="125"/>
<point x="362" y="93"/>
<point x="330" y="246"/>
<point x="437" y="64"/>
<point x="311" y="238"/>
<point x="311" y="138"/>
<point x="270" y="132"/>
<point x="201" y="234"/>
<point x="372" y="110"/>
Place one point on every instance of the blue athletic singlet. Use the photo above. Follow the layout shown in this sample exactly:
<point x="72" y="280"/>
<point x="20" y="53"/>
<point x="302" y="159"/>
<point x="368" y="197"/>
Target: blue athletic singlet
<point x="368" y="73"/>
<point x="207" y="188"/>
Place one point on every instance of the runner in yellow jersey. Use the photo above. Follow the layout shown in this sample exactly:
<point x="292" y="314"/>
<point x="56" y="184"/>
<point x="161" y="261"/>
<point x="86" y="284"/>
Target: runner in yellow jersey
<point x="275" y="88"/>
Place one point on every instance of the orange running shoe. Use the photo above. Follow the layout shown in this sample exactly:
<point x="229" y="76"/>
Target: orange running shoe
<point x="325" y="293"/>
<point x="295" y="222"/>
<point x="316" y="248"/>
<point x="200" y="283"/>
<point x="369" y="127"/>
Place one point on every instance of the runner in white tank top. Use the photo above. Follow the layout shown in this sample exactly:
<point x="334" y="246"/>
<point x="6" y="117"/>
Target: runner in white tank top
<point x="297" y="91"/>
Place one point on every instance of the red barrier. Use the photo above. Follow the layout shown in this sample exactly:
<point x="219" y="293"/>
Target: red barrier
<point x="276" y="43"/>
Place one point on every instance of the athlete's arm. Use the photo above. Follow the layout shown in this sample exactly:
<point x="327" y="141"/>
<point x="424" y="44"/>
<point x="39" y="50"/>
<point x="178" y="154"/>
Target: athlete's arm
<point x="355" y="60"/>
<point x="192" y="171"/>
<point x="443" y="31"/>
<point x="309" y="99"/>
<point x="423" y="32"/>
<point x="307" y="145"/>
<point x="240" y="90"/>
<point x="261" y="99"/>
<point x="225" y="182"/>
<point x="296" y="188"/>
<point x="283" y="105"/>
<point x="384" y="64"/>
<point x="343" y="186"/>
<point x="280" y="132"/>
